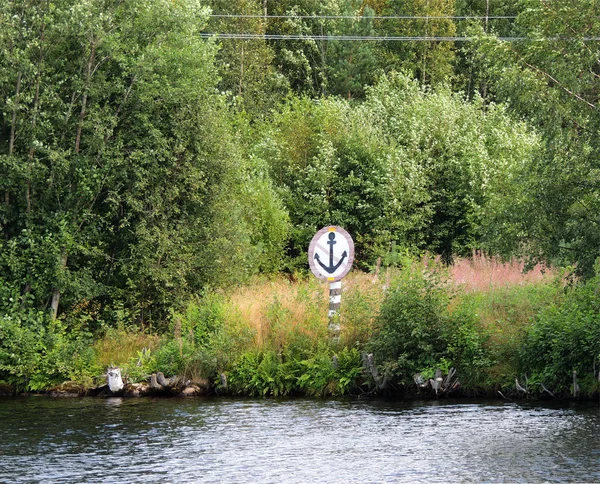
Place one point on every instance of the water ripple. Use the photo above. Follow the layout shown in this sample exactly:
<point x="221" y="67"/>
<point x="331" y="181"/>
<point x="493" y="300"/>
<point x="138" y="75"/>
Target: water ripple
<point x="295" y="441"/>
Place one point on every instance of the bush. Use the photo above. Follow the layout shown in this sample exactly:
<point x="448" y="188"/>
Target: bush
<point x="565" y="338"/>
<point x="262" y="374"/>
<point x="411" y="329"/>
<point x="36" y="353"/>
<point x="321" y="374"/>
<point x="468" y="349"/>
<point x="419" y="330"/>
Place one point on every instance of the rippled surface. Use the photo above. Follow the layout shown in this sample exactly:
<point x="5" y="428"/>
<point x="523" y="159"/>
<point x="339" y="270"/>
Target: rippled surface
<point x="173" y="440"/>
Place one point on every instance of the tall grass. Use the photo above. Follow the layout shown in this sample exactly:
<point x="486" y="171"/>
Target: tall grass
<point x="272" y="335"/>
<point x="120" y="346"/>
<point x="482" y="273"/>
<point x="279" y="313"/>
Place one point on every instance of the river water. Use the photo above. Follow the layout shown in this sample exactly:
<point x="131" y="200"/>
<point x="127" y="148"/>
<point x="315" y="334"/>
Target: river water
<point x="295" y="441"/>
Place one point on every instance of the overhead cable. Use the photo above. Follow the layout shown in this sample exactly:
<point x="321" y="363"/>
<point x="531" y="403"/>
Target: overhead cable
<point x="360" y="17"/>
<point x="247" y="36"/>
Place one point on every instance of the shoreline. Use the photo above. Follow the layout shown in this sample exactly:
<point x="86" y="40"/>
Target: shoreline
<point x="202" y="389"/>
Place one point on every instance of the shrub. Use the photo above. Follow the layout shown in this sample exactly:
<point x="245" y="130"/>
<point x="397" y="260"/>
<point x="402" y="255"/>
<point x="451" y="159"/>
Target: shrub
<point x="263" y="374"/>
<point x="321" y="373"/>
<point x="36" y="353"/>
<point x="565" y="338"/>
<point x="468" y="349"/>
<point x="411" y="329"/>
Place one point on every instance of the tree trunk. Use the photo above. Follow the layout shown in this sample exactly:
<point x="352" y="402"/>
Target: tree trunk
<point x="56" y="290"/>
<point x="88" y="76"/>
<point x="241" y="83"/>
<point x="11" y="140"/>
<point x="36" y="105"/>
<point x="13" y="125"/>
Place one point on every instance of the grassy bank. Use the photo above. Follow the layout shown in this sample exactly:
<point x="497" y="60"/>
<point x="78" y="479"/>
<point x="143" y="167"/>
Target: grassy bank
<point x="483" y="326"/>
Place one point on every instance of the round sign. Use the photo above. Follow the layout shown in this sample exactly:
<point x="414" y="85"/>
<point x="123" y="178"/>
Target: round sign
<point x="331" y="253"/>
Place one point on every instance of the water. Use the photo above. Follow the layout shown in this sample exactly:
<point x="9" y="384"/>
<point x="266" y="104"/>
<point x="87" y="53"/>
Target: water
<point x="295" y="441"/>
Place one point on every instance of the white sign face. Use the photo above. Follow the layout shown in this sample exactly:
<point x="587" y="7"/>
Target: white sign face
<point x="331" y="253"/>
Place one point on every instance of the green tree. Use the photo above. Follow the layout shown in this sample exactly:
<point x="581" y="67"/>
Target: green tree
<point x="463" y="151"/>
<point x="429" y="61"/>
<point x="351" y="64"/>
<point x="121" y="172"/>
<point x="552" y="79"/>
<point x="332" y="166"/>
<point x="246" y="66"/>
<point x="303" y="62"/>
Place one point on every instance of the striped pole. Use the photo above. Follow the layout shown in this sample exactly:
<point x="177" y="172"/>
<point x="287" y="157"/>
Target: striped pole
<point x="335" y="300"/>
<point x="330" y="257"/>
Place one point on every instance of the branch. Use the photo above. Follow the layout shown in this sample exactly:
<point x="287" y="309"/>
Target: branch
<point x="556" y="81"/>
<point x="547" y="391"/>
<point x="576" y="33"/>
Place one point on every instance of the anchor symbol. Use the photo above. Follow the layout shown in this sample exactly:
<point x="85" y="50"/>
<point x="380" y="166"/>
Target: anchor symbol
<point x="332" y="267"/>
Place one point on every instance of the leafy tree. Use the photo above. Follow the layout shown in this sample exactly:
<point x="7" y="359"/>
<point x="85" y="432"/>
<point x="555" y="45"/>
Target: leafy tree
<point x="303" y="62"/>
<point x="246" y="66"/>
<point x="120" y="161"/>
<point x="323" y="66"/>
<point x="351" y="64"/>
<point x="463" y="153"/>
<point x="552" y="79"/>
<point x="429" y="61"/>
<point x="423" y="169"/>
<point x="332" y="166"/>
<point x="470" y="71"/>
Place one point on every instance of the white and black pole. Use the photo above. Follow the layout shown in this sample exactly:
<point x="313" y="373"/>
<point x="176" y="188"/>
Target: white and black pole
<point x="330" y="257"/>
<point x="335" y="300"/>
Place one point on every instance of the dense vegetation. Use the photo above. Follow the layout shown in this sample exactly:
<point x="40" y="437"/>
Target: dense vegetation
<point x="147" y="166"/>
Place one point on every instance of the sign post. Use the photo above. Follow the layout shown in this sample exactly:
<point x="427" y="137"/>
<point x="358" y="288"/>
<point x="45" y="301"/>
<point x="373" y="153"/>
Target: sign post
<point x="330" y="257"/>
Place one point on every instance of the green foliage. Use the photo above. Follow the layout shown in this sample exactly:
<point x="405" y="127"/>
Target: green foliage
<point x="430" y="62"/>
<point x="565" y="338"/>
<point x="202" y="319"/>
<point x="105" y="103"/>
<point x="142" y="163"/>
<point x="140" y="366"/>
<point x="549" y="210"/>
<point x="35" y="355"/>
<point x="326" y="374"/>
<point x="351" y="65"/>
<point x="459" y="155"/>
<point x="422" y="327"/>
<point x="246" y="66"/>
<point x="468" y="349"/>
<point x="321" y="373"/>
<point x="262" y="374"/>
<point x="359" y="310"/>
<point x="409" y="168"/>
<point x="331" y="167"/>
<point x="411" y="330"/>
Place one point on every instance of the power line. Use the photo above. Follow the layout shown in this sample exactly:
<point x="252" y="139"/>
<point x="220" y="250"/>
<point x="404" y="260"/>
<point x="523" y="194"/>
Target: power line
<point x="247" y="36"/>
<point x="336" y="37"/>
<point x="376" y="17"/>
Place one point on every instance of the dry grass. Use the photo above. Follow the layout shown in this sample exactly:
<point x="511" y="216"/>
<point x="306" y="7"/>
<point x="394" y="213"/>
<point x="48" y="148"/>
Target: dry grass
<point x="117" y="347"/>
<point x="278" y="310"/>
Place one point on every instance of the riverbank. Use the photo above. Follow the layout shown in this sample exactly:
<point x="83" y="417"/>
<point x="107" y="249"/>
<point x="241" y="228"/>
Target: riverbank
<point x="478" y="328"/>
